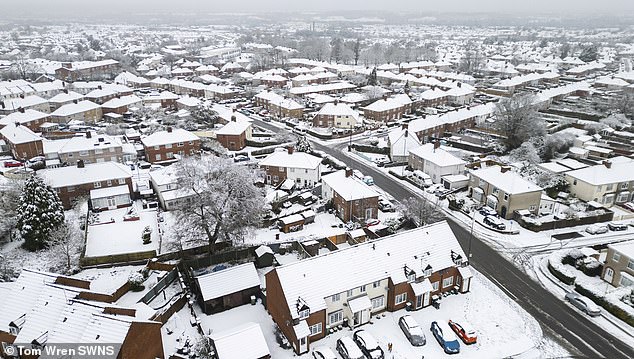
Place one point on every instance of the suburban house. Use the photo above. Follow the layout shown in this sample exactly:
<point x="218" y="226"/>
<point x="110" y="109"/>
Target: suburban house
<point x="301" y="167"/>
<point x="64" y="98"/>
<point x="165" y="184"/>
<point x="163" y="146"/>
<point x="22" y="142"/>
<point x="388" y="108"/>
<point x="230" y="343"/>
<point x="86" y="111"/>
<point x="46" y="308"/>
<point x="228" y="288"/>
<point x="235" y="134"/>
<point x="77" y="181"/>
<point x="504" y="190"/>
<point x="121" y="105"/>
<point x="401" y="141"/>
<point x="90" y="148"/>
<point x="338" y="115"/>
<point x="279" y="106"/>
<point x="30" y="118"/>
<point x="32" y="102"/>
<point x="350" y="197"/>
<point x="349" y="286"/>
<point x="618" y="269"/>
<point x="88" y="70"/>
<point x="435" y="161"/>
<point x="607" y="183"/>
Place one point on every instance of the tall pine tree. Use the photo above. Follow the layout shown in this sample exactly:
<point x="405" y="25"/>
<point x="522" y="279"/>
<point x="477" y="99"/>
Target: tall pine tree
<point x="40" y="212"/>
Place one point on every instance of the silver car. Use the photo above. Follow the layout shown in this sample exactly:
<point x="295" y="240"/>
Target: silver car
<point x="412" y="330"/>
<point x="584" y="304"/>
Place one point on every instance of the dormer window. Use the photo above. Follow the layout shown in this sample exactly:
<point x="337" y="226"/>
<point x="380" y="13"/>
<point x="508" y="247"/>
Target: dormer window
<point x="411" y="277"/>
<point x="456" y="258"/>
<point x="303" y="314"/>
<point x="428" y="271"/>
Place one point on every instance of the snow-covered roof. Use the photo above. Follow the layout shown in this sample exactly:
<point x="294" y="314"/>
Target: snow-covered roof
<point x="510" y="182"/>
<point x="109" y="191"/>
<point x="166" y="137"/>
<point x="83" y="143"/>
<point x="338" y="109"/>
<point x="279" y="100"/>
<point x="389" y="103"/>
<point x="28" y="101"/>
<point x="314" y="279"/>
<point x="245" y="341"/>
<point x="350" y="188"/>
<point x="335" y="86"/>
<point x="122" y="101"/>
<point x="294" y="160"/>
<point x="619" y="171"/>
<point x="626" y="248"/>
<point x="23" y="296"/>
<point x="228" y="281"/>
<point x="400" y="143"/>
<point x="19" y="134"/>
<point x="90" y="173"/>
<point x="28" y="115"/>
<point x="437" y="156"/>
<point x="66" y="97"/>
<point x="234" y="128"/>
<point x="74" y="108"/>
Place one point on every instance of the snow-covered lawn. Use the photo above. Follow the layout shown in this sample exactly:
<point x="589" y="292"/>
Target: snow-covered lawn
<point x="121" y="236"/>
<point x="504" y="329"/>
<point x="325" y="225"/>
<point x="107" y="280"/>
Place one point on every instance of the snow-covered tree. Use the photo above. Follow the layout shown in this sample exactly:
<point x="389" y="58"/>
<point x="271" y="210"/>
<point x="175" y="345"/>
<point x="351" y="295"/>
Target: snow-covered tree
<point x="372" y="78"/>
<point x="517" y="120"/>
<point x="224" y="202"/>
<point x="617" y="122"/>
<point x="526" y="153"/>
<point x="39" y="213"/>
<point x="9" y="201"/>
<point x="420" y="211"/>
<point x="303" y="145"/>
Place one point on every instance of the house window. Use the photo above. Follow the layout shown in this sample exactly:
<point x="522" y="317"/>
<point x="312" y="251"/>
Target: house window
<point x="376" y="284"/>
<point x="400" y="298"/>
<point x="616" y="256"/>
<point x="315" y="329"/>
<point x="630" y="264"/>
<point x="170" y="155"/>
<point x="506" y="197"/>
<point x="626" y="282"/>
<point x="98" y="151"/>
<point x="109" y="183"/>
<point x="532" y="207"/>
<point x="157" y="147"/>
<point x="111" y="149"/>
<point x="335" y="317"/>
<point x="180" y="144"/>
<point x="435" y="286"/>
<point x="97" y="184"/>
<point x="624" y="185"/>
<point x="335" y="297"/>
<point x="362" y="289"/>
<point x="83" y="153"/>
<point x="447" y="282"/>
<point x="303" y="314"/>
<point x="169" y="145"/>
<point x="281" y="169"/>
<point x="427" y="272"/>
<point x="411" y="277"/>
<point x="121" y="180"/>
<point x="349" y="292"/>
<point x="609" y="187"/>
<point x="378" y="302"/>
<point x="158" y="157"/>
<point x="71" y="188"/>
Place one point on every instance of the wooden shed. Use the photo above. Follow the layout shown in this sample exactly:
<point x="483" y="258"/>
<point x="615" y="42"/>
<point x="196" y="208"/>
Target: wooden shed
<point x="264" y="256"/>
<point x="292" y="223"/>
<point x="228" y="288"/>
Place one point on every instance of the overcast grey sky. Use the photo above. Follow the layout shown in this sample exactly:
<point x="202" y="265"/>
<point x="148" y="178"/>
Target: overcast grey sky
<point x="41" y="7"/>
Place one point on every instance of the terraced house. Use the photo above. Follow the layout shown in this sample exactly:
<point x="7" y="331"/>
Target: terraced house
<point x="346" y="287"/>
<point x="163" y="146"/>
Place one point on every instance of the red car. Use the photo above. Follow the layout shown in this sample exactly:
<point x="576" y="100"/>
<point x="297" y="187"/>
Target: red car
<point x="464" y="332"/>
<point x="12" y="163"/>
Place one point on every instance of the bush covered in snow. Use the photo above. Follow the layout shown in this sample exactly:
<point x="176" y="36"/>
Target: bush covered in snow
<point x="558" y="269"/>
<point x="39" y="213"/>
<point x="136" y="282"/>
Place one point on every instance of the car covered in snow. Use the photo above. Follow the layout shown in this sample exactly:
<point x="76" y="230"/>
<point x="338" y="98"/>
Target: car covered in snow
<point x="464" y="331"/>
<point x="323" y="353"/>
<point x="597" y="229"/>
<point x="583" y="304"/>
<point x="413" y="332"/>
<point x="386" y="206"/>
<point x="617" y="226"/>
<point x="445" y="337"/>
<point x="369" y="346"/>
<point x="629" y="205"/>
<point x="347" y="348"/>
<point x="487" y="211"/>
<point x="494" y="222"/>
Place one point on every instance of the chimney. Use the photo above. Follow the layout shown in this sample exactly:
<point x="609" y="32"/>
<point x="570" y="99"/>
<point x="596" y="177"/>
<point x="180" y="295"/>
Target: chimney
<point x="233" y="118"/>
<point x="169" y="129"/>
<point x="21" y="109"/>
<point x="404" y="126"/>
<point x="385" y="97"/>
<point x="80" y="164"/>
<point x="290" y="149"/>
<point x="88" y="134"/>
<point x="436" y="145"/>
<point x="348" y="172"/>
<point x="504" y="169"/>
<point x="459" y="84"/>
<point x="65" y="91"/>
<point x="607" y="164"/>
<point x="75" y="101"/>
<point x="99" y="87"/>
<point x="21" y="95"/>
<point x="2" y="104"/>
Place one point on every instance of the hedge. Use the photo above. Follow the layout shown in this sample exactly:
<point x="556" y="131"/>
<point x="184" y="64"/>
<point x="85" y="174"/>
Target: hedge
<point x="605" y="304"/>
<point x="562" y="277"/>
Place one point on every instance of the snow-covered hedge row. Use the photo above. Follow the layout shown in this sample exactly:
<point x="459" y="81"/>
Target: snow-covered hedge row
<point x="611" y="302"/>
<point x="558" y="269"/>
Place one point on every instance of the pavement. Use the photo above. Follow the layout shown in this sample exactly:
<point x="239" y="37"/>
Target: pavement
<point x="581" y="337"/>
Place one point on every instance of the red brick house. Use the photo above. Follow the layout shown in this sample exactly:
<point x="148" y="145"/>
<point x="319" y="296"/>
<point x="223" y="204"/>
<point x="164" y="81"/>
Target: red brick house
<point x="349" y="286"/>
<point x="88" y="70"/>
<point x="22" y="142"/>
<point x="163" y="146"/>
<point x="77" y="181"/>
<point x="388" y="108"/>
<point x="234" y="135"/>
<point x="351" y="198"/>
<point x="28" y="118"/>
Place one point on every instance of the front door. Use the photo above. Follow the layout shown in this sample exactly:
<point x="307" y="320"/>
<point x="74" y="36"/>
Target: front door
<point x="609" y="274"/>
<point x="426" y="297"/>
<point x="356" y="319"/>
<point x="111" y="202"/>
<point x="368" y="213"/>
<point x="419" y="301"/>
<point x="303" y="345"/>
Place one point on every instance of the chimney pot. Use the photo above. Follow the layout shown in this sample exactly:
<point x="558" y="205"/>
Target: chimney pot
<point x="233" y="118"/>
<point x="290" y="150"/>
<point x="504" y="169"/>
<point x="169" y="129"/>
<point x="348" y="172"/>
<point x="88" y="134"/>
<point x="80" y="164"/>
<point x="436" y="144"/>
<point x="607" y="164"/>
<point x="21" y="109"/>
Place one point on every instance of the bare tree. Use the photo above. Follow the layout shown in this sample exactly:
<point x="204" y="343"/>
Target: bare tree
<point x="420" y="211"/>
<point x="65" y="246"/>
<point x="223" y="200"/>
<point x="517" y="120"/>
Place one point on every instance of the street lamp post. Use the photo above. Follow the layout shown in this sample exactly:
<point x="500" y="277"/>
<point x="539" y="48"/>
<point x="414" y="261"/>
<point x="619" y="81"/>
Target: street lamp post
<point x="471" y="238"/>
<point x="4" y="265"/>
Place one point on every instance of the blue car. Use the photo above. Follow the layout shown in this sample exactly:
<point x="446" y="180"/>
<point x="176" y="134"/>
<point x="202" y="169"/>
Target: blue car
<point x="445" y="337"/>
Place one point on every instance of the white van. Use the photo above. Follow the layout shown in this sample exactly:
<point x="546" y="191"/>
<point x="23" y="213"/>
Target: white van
<point x="368" y="180"/>
<point x="422" y="178"/>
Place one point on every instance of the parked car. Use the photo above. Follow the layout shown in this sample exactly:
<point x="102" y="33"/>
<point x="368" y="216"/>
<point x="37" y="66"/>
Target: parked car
<point x="368" y="180"/>
<point x="584" y="304"/>
<point x="372" y="222"/>
<point x="445" y="337"/>
<point x="381" y="161"/>
<point x="597" y="229"/>
<point x="369" y="346"/>
<point x="323" y="353"/>
<point x="494" y="222"/>
<point x="488" y="211"/>
<point x="464" y="331"/>
<point x="617" y="226"/>
<point x="35" y="161"/>
<point x="347" y="348"/>
<point x="240" y="158"/>
<point x="386" y="206"/>
<point x="413" y="332"/>
<point x="12" y="164"/>
<point x="629" y="205"/>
